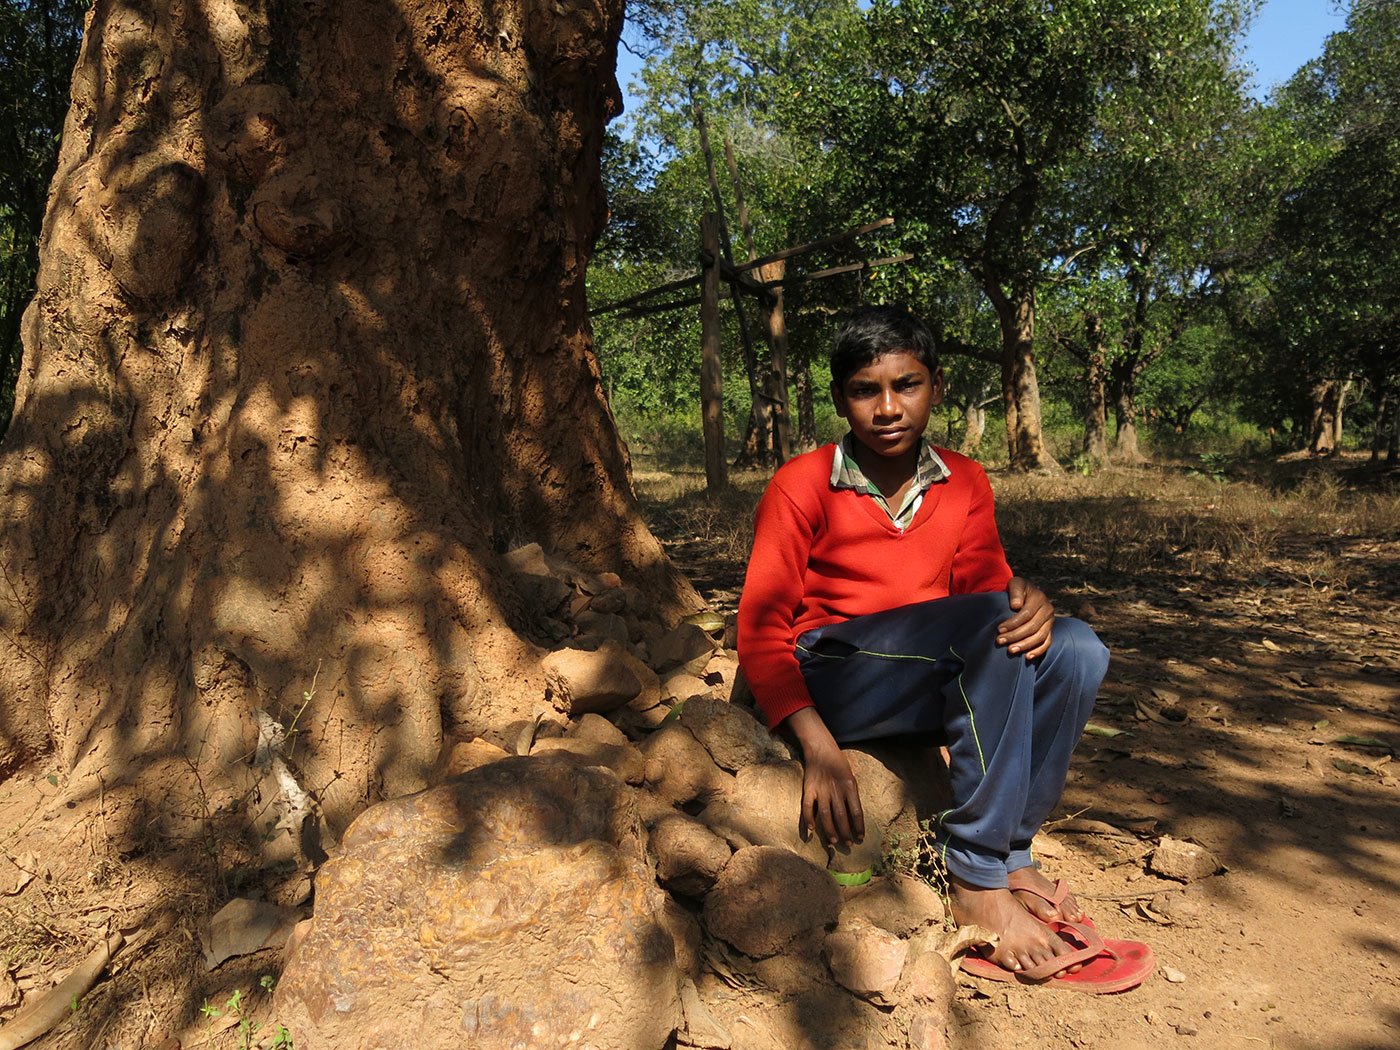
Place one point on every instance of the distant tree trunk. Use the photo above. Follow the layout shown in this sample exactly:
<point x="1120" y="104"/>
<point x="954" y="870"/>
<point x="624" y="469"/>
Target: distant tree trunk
<point x="711" y="374"/>
<point x="309" y="351"/>
<point x="1096" y="400"/>
<point x="974" y="427"/>
<point x="806" y="407"/>
<point x="1325" y="419"/>
<point x="1387" y="432"/>
<point x="1019" y="387"/>
<point x="1123" y="392"/>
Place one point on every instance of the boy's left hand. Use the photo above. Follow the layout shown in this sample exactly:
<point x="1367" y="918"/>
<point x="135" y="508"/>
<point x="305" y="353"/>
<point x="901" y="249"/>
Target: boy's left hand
<point x="1028" y="630"/>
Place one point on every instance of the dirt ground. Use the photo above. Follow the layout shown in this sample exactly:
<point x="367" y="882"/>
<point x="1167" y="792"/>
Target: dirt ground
<point x="1253" y="706"/>
<point x="1254" y="629"/>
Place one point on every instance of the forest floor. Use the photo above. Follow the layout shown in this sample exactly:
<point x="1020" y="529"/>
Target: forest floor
<point x="1252" y="706"/>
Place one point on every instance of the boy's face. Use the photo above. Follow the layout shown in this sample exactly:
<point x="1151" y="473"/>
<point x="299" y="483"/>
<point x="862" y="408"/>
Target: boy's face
<point x="887" y="403"/>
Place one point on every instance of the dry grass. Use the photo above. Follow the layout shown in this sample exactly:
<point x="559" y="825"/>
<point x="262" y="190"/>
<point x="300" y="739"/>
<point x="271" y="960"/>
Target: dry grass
<point x="1306" y="529"/>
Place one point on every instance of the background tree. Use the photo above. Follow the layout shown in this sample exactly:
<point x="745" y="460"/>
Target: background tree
<point x="309" y="351"/>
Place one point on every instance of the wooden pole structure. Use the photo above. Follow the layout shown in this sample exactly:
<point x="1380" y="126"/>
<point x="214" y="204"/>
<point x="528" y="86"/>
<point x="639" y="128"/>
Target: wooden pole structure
<point x="778" y="349"/>
<point x="744" y="225"/>
<point x="759" y="415"/>
<point x="711" y="374"/>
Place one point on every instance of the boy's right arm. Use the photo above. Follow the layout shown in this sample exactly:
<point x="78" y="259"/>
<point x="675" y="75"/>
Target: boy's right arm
<point x="772" y="592"/>
<point x="830" y="796"/>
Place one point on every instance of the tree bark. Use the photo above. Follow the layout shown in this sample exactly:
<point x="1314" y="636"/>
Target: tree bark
<point x="775" y="384"/>
<point x="1096" y="399"/>
<point x="1325" y="419"/>
<point x="711" y="373"/>
<point x="1019" y="387"/>
<point x="309" y="350"/>
<point x="974" y="427"/>
<point x="1123" y="392"/>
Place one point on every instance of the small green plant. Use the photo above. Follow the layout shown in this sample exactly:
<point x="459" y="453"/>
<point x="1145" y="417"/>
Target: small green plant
<point x="247" y="1029"/>
<point x="1214" y="465"/>
<point x="917" y="856"/>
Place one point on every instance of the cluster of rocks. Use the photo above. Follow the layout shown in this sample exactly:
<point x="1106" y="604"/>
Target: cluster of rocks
<point x="625" y="870"/>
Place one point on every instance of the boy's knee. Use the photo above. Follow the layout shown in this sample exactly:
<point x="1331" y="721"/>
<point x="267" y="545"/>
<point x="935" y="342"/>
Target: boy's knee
<point x="1082" y="644"/>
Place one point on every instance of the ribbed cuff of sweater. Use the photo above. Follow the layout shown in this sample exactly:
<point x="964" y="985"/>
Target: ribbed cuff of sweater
<point x="777" y="707"/>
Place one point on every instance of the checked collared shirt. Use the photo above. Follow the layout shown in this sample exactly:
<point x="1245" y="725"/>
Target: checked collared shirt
<point x="846" y="474"/>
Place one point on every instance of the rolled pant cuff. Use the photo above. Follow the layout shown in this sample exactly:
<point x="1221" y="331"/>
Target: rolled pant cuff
<point x="1020" y="858"/>
<point x="981" y="868"/>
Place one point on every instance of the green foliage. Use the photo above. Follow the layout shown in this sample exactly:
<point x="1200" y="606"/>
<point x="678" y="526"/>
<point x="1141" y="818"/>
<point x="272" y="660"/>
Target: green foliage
<point x="38" y="45"/>
<point x="1317" y="288"/>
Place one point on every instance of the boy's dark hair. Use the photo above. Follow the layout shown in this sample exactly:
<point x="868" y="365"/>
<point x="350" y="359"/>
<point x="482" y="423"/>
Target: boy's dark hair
<point x="873" y="331"/>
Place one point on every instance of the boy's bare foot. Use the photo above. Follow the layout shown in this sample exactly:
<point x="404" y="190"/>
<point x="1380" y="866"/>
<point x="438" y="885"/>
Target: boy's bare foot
<point x="1024" y="943"/>
<point x="1035" y="891"/>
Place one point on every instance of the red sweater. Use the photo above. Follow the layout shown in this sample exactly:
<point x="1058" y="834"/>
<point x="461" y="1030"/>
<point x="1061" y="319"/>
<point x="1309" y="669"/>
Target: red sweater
<point x="822" y="555"/>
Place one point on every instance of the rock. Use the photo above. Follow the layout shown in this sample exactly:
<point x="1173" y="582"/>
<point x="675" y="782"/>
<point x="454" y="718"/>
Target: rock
<point x="689" y="856"/>
<point x="464" y="756"/>
<point x="866" y="961"/>
<point x="680" y="769"/>
<point x="610" y="602"/>
<point x="686" y="936"/>
<point x="549" y="594"/>
<point x="766" y="898"/>
<point x="769" y="789"/>
<point x="1183" y="861"/>
<point x="603" y="626"/>
<point x="243" y="926"/>
<point x="681" y="686"/>
<point x="730" y="734"/>
<point x="926" y="1033"/>
<point x="857" y="857"/>
<point x="441" y="911"/>
<point x="623" y="759"/>
<point x="723" y="665"/>
<point x="580" y="681"/>
<point x="529" y="559"/>
<point x="883" y="794"/>
<point x="928" y="981"/>
<point x="901" y="904"/>
<point x="686" y="646"/>
<point x="741" y="828"/>
<point x="700" y="1029"/>
<point x="595" y="727"/>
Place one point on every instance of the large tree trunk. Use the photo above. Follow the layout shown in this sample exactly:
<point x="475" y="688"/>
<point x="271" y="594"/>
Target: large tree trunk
<point x="1325" y="421"/>
<point x="1123" y="391"/>
<point x="309" y="351"/>
<point x="1096" y="398"/>
<point x="1019" y="388"/>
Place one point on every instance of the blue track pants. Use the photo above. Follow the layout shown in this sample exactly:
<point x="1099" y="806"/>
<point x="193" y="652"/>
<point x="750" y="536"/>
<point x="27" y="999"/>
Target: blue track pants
<point x="1010" y="726"/>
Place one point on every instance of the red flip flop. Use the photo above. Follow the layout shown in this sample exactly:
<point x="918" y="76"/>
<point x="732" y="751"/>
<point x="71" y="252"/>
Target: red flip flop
<point x="1054" y="899"/>
<point x="1109" y="965"/>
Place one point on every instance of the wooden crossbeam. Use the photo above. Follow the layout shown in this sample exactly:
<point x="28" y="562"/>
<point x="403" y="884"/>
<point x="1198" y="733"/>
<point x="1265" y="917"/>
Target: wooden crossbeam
<point x="670" y="286"/>
<point x="811" y="246"/>
<point x="816" y="275"/>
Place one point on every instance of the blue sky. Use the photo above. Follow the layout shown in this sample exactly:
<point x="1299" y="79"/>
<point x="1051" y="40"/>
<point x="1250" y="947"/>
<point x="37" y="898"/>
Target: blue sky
<point x="1284" y="35"/>
<point x="1287" y="33"/>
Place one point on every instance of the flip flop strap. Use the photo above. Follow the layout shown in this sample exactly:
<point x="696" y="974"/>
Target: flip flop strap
<point x="1087" y="935"/>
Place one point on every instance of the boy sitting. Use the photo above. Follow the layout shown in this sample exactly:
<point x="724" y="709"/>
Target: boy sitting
<point x="878" y="603"/>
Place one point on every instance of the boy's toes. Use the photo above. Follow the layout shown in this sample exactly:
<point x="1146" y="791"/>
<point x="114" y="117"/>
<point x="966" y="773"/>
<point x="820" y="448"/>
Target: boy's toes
<point x="1038" y="906"/>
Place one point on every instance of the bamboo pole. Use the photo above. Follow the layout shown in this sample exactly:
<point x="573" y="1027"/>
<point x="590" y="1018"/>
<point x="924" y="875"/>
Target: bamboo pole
<point x="772" y="276"/>
<point x="711" y="374"/>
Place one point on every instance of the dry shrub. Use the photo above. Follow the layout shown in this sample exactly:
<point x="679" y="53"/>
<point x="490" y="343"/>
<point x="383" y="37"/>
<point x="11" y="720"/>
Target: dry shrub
<point x="1310" y="531"/>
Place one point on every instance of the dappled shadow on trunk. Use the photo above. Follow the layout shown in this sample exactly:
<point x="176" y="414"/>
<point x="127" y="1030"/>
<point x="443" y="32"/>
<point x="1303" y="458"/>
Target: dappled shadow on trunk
<point x="309" y="353"/>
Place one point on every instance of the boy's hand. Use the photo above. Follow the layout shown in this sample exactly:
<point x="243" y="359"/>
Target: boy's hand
<point x="830" y="796"/>
<point x="1028" y="630"/>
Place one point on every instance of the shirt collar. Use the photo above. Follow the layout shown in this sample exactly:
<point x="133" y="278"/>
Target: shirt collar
<point x="846" y="472"/>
